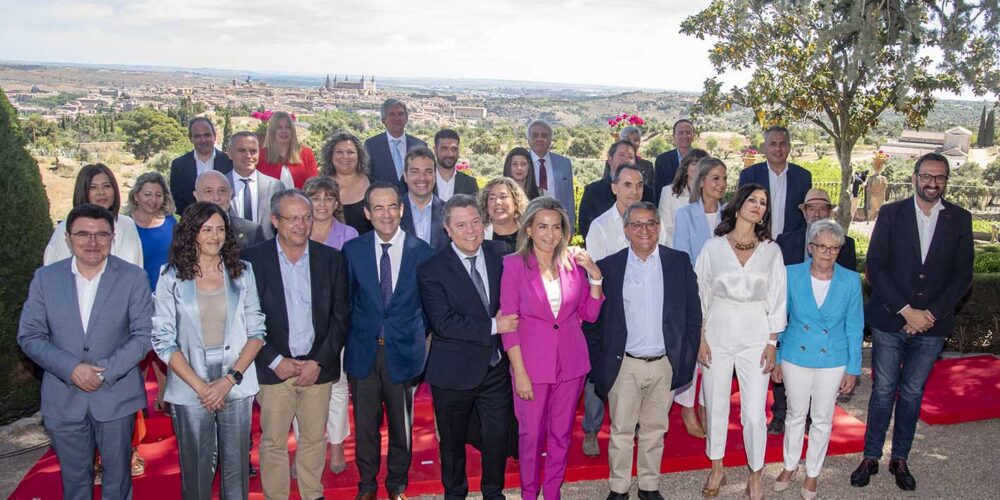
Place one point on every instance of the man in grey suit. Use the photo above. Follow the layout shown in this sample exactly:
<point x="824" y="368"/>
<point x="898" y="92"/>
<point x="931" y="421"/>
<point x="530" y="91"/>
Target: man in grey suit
<point x="554" y="173"/>
<point x="213" y="187"/>
<point x="92" y="388"/>
<point x="252" y="190"/>
<point x="387" y="151"/>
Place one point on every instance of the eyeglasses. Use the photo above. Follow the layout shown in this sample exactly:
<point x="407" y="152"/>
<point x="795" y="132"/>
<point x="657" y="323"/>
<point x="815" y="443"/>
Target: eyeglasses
<point x="638" y="226"/>
<point x="296" y="219"/>
<point x="102" y="236"/>
<point x="925" y="178"/>
<point x="823" y="249"/>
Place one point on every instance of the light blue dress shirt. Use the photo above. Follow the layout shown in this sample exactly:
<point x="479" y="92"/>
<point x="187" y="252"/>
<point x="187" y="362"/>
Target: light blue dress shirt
<point x="422" y="220"/>
<point x="297" y="283"/>
<point x="643" y="296"/>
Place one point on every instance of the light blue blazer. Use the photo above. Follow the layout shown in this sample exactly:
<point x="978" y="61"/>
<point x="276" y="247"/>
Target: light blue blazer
<point x="691" y="229"/>
<point x="177" y="327"/>
<point x="828" y="336"/>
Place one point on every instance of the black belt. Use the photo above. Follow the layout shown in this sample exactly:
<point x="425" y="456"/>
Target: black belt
<point x="647" y="359"/>
<point x="301" y="358"/>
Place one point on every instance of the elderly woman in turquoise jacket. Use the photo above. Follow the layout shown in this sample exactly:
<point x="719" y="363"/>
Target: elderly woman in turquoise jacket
<point x="820" y="353"/>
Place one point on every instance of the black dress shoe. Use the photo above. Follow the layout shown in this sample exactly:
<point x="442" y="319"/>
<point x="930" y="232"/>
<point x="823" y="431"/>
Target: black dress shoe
<point x="253" y="471"/>
<point x="863" y="474"/>
<point x="650" y="495"/>
<point x="617" y="496"/>
<point x="904" y="480"/>
<point x="777" y="426"/>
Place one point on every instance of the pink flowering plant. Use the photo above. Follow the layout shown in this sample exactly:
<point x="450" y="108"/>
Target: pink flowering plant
<point x="265" y="115"/>
<point x="749" y="152"/>
<point x="462" y="166"/>
<point x="881" y="155"/>
<point x="618" y="122"/>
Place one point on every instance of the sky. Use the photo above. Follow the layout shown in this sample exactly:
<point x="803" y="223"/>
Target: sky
<point x="627" y="43"/>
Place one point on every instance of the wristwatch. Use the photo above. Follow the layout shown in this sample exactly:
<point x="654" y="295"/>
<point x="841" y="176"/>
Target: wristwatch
<point x="237" y="376"/>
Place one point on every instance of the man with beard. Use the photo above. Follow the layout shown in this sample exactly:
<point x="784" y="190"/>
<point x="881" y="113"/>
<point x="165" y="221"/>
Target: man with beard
<point x="919" y="266"/>
<point x="449" y="181"/>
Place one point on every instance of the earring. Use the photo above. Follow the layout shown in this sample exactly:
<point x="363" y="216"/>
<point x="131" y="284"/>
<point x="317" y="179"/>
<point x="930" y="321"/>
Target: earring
<point x="760" y="222"/>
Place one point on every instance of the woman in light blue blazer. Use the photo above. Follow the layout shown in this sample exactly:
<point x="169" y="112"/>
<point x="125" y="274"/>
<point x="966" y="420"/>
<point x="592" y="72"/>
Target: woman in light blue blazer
<point x="694" y="225"/>
<point x="820" y="353"/>
<point x="208" y="328"/>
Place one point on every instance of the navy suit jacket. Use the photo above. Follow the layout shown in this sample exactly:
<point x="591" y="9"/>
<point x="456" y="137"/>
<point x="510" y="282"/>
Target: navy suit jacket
<point x="247" y="232"/>
<point x="184" y="171"/>
<point x="793" y="248"/>
<point x="666" y="168"/>
<point x="403" y="317"/>
<point x="462" y="344"/>
<point x="898" y="277"/>
<point x="439" y="237"/>
<point x="380" y="165"/>
<point x="681" y="319"/>
<point x="598" y="198"/>
<point x="799" y="182"/>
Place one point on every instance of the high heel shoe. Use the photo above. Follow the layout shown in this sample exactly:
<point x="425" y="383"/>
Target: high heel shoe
<point x="750" y="494"/>
<point x="806" y="494"/>
<point x="713" y="492"/>
<point x="780" y="486"/>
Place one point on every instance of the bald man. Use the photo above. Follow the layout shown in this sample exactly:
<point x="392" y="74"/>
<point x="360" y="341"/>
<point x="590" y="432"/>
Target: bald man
<point x="212" y="186"/>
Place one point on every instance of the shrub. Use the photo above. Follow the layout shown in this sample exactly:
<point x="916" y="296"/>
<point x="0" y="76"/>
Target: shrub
<point x="977" y="323"/>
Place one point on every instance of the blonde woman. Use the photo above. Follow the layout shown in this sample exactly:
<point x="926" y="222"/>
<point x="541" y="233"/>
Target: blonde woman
<point x="282" y="157"/>
<point x="502" y="204"/>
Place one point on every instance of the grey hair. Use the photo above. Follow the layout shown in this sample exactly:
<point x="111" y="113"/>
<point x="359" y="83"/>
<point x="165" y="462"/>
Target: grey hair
<point x="534" y="123"/>
<point x="623" y="167"/>
<point x="459" y="201"/>
<point x="213" y="173"/>
<point x="288" y="193"/>
<point x="628" y="131"/>
<point x="825" y="226"/>
<point x="640" y="205"/>
<point x="705" y="165"/>
<point x="391" y="103"/>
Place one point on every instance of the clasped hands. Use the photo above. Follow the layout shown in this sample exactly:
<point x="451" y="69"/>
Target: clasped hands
<point x="87" y="377"/>
<point x="917" y="320"/>
<point x="306" y="370"/>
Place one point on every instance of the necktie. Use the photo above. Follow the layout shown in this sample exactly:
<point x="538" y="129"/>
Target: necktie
<point x="543" y="177"/>
<point x="477" y="279"/>
<point x="385" y="279"/>
<point x="247" y="201"/>
<point x="397" y="160"/>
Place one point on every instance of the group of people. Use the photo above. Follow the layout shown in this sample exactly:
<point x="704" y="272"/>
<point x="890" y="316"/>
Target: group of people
<point x="304" y="287"/>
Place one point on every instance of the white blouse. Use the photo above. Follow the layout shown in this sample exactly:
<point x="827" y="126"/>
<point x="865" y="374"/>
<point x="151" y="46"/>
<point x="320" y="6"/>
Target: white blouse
<point x="553" y="290"/>
<point x="820" y="289"/>
<point x="669" y="203"/>
<point x="125" y="246"/>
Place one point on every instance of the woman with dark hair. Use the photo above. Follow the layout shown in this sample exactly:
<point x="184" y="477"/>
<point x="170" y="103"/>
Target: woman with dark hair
<point x="678" y="194"/>
<point x="519" y="166"/>
<point x="208" y="328"/>
<point x="282" y="156"/>
<point x="741" y="282"/>
<point x="96" y="184"/>
<point x="345" y="160"/>
<point x="502" y="204"/>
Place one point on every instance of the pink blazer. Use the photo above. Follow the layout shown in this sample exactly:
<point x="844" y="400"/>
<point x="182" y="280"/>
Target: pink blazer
<point x="542" y="337"/>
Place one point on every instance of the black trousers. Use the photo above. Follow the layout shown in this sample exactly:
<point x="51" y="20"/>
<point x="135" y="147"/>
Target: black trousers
<point x="493" y="402"/>
<point x="370" y="396"/>
<point x="780" y="406"/>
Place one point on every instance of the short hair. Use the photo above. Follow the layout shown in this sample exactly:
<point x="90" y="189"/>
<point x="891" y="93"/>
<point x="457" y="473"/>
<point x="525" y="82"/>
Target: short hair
<point x="89" y="211"/>
<point x="705" y="165"/>
<point x="213" y="173"/>
<point x="390" y="103"/>
<point x="520" y="199"/>
<point x="288" y="193"/>
<point x="538" y="122"/>
<point x="777" y="128"/>
<point x="614" y="147"/>
<point x="617" y="175"/>
<point x="640" y="205"/>
<point x="525" y="247"/>
<point x="327" y="154"/>
<point x="418" y="152"/>
<point x="380" y="185"/>
<point x="459" y="201"/>
<point x="241" y="135"/>
<point x="154" y="178"/>
<point x="932" y="157"/>
<point x="271" y="142"/>
<point x="678" y="122"/>
<point x="825" y="226"/>
<point x="681" y="177"/>
<point x="630" y="131"/>
<point x="532" y="191"/>
<point x="326" y="184"/>
<point x="446" y="133"/>
<point x="197" y="119"/>
<point x="81" y="189"/>
<point x="727" y="216"/>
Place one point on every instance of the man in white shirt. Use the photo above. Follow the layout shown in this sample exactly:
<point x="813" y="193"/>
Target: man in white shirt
<point x="205" y="156"/>
<point x="449" y="180"/>
<point x="553" y="172"/>
<point x="606" y="235"/>
<point x="251" y="191"/>
<point x="786" y="183"/>
<point x="386" y="152"/>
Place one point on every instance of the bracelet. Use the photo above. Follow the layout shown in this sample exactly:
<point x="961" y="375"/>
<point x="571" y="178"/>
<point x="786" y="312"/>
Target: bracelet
<point x="596" y="282"/>
<point x="773" y="343"/>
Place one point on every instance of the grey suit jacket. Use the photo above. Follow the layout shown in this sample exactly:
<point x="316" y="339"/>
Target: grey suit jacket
<point x="380" y="165"/>
<point x="266" y="187"/>
<point x="562" y="168"/>
<point x="117" y="338"/>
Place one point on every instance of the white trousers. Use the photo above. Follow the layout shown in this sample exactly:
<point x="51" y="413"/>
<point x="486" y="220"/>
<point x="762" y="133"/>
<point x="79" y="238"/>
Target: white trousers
<point x="337" y="422"/>
<point x="684" y="395"/>
<point x="717" y="381"/>
<point x="802" y="385"/>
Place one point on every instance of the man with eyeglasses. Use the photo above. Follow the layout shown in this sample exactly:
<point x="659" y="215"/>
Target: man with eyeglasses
<point x="919" y="266"/>
<point x="302" y="286"/>
<point x="644" y="346"/>
<point x="92" y="387"/>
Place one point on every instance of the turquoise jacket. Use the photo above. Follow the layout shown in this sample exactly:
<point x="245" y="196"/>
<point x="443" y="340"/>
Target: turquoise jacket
<point x="828" y="336"/>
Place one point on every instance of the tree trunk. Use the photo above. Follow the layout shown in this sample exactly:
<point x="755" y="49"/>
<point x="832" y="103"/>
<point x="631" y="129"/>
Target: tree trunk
<point x="844" y="149"/>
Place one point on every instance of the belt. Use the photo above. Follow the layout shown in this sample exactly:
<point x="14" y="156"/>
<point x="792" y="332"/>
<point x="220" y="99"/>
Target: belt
<point x="381" y="341"/>
<point x="301" y="358"/>
<point x="647" y="359"/>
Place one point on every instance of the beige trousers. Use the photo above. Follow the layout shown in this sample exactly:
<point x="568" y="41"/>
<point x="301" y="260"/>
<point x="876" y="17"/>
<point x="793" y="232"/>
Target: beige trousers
<point x="279" y="403"/>
<point x="640" y="396"/>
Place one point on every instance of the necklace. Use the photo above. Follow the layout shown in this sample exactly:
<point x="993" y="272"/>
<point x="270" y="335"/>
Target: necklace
<point x="742" y="246"/>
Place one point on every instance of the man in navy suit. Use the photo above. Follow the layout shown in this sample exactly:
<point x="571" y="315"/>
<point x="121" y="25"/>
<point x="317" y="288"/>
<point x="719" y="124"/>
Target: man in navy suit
<point x="919" y="266"/>
<point x="205" y="156"/>
<point x="598" y="197"/>
<point x="424" y="214"/>
<point x="786" y="183"/>
<point x="387" y="151"/>
<point x="466" y="367"/>
<point x="386" y="343"/>
<point x="668" y="163"/>
<point x="449" y="181"/>
<point x="553" y="173"/>
<point x="644" y="346"/>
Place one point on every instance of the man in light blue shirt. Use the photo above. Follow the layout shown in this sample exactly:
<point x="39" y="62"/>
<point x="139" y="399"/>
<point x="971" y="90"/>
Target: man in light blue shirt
<point x="424" y="214"/>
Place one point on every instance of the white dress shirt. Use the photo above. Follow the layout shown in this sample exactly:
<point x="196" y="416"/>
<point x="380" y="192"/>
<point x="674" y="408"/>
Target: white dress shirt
<point x="445" y="189"/>
<point x="297" y="283"/>
<point x="395" y="255"/>
<point x="481" y="267"/>
<point x="779" y="193"/>
<point x="669" y="203"/>
<point x="926" y="224"/>
<point x="204" y="166"/>
<point x="550" y="176"/>
<point x="643" y="296"/>
<point x="237" y="202"/>
<point x="86" y="291"/>
<point x="126" y="245"/>
<point x="607" y="234"/>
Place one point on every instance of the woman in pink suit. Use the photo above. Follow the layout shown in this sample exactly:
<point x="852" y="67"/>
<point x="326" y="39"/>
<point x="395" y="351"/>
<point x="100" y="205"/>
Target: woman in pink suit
<point x="551" y="288"/>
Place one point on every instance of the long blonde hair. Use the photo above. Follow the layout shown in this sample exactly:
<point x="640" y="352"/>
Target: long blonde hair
<point x="271" y="142"/>
<point x="526" y="248"/>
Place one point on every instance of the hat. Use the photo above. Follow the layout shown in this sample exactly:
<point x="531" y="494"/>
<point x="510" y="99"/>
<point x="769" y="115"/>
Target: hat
<point x="816" y="195"/>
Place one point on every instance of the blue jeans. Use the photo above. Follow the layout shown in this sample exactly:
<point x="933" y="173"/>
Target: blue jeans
<point x="593" y="410"/>
<point x="901" y="363"/>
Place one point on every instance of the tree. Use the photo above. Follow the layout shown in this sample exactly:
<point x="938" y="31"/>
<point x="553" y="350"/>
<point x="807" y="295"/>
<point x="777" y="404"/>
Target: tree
<point x="24" y="215"/>
<point x="37" y="128"/>
<point x="841" y="64"/>
<point x="185" y="110"/>
<point x="148" y="131"/>
<point x="991" y="123"/>
<point x="711" y="144"/>
<point x="227" y="127"/>
<point x="981" y="134"/>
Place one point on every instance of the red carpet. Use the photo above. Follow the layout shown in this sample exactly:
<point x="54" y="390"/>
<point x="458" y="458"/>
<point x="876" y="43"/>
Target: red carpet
<point x="962" y="390"/>
<point x="682" y="452"/>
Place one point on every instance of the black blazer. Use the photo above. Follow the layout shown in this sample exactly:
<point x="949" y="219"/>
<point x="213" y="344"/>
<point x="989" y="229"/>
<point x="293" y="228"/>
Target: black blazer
<point x="897" y="276"/>
<point x="183" y="172"/>
<point x="462" y="345"/>
<point x="597" y="199"/>
<point x="380" y="165"/>
<point x="799" y="183"/>
<point x="330" y="308"/>
<point x="666" y="168"/>
<point x="681" y="319"/>
<point x="247" y="232"/>
<point x="464" y="184"/>
<point x="439" y="237"/>
<point x="793" y="249"/>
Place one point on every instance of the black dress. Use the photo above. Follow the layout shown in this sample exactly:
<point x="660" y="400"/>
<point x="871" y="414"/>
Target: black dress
<point x="354" y="216"/>
<point x="509" y="239"/>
